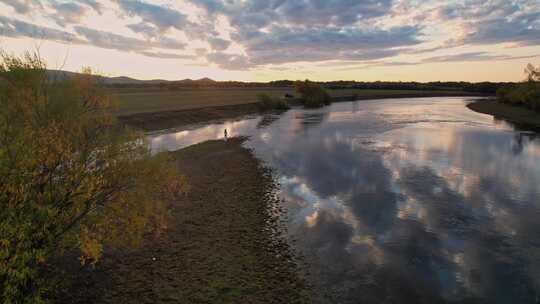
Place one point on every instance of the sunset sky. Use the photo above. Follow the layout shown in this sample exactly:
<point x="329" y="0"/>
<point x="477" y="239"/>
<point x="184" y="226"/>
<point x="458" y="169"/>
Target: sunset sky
<point x="260" y="40"/>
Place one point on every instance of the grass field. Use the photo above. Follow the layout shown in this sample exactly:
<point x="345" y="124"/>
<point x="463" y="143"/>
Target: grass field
<point x="144" y="100"/>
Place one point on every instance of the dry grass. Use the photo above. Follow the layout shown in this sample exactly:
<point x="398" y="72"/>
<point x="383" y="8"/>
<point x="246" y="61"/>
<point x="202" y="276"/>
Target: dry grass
<point x="144" y="100"/>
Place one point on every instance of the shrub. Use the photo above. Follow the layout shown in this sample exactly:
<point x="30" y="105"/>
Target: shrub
<point x="70" y="178"/>
<point x="266" y="102"/>
<point x="312" y="95"/>
<point x="525" y="94"/>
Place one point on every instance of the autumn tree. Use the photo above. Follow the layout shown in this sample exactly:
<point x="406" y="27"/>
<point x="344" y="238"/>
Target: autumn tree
<point x="70" y="177"/>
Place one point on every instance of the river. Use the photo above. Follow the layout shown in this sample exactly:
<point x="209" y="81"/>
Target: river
<point x="417" y="200"/>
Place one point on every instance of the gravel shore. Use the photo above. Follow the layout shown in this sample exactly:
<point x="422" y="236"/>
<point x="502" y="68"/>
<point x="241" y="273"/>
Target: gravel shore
<point x="222" y="245"/>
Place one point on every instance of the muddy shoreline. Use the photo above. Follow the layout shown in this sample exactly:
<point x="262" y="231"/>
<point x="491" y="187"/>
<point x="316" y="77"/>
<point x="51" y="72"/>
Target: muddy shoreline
<point x="224" y="242"/>
<point x="154" y="121"/>
<point x="520" y="117"/>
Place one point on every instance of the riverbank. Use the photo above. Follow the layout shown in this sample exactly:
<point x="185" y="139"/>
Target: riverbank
<point x="177" y="119"/>
<point x="519" y="116"/>
<point x="153" y="121"/>
<point x="221" y="244"/>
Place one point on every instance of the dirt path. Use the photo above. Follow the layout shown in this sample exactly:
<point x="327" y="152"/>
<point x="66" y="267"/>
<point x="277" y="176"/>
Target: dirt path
<point x="219" y="248"/>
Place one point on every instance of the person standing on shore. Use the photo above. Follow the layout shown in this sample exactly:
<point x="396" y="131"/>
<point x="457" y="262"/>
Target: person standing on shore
<point x="225" y="134"/>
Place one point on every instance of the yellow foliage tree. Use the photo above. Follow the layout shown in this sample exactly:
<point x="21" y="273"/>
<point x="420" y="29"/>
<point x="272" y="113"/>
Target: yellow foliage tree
<point x="70" y="177"/>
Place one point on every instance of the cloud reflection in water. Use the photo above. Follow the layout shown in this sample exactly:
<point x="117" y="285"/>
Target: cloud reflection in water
<point x="406" y="201"/>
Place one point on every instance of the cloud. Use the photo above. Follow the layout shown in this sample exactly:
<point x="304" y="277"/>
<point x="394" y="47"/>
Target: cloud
<point x="167" y="55"/>
<point x="112" y="41"/>
<point x="272" y="32"/>
<point x="162" y="17"/>
<point x="334" y="39"/>
<point x="98" y="7"/>
<point x="524" y="30"/>
<point x="494" y="22"/>
<point x="16" y="29"/>
<point x="219" y="44"/>
<point x="281" y="45"/>
<point x="229" y="61"/>
<point x="296" y="12"/>
<point x="118" y="42"/>
<point x="281" y="31"/>
<point x="167" y="43"/>
<point x="68" y="13"/>
<point x="331" y="12"/>
<point x="463" y="57"/>
<point x="144" y="28"/>
<point x="23" y="6"/>
<point x="474" y="56"/>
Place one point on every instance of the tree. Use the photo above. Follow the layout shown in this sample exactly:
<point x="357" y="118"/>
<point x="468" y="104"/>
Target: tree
<point x="70" y="177"/>
<point x="533" y="74"/>
<point x="266" y="102"/>
<point x="312" y="95"/>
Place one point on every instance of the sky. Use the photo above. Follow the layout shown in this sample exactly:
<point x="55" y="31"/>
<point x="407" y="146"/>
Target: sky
<point x="263" y="40"/>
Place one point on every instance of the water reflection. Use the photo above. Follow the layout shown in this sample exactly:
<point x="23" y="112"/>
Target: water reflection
<point x="405" y="201"/>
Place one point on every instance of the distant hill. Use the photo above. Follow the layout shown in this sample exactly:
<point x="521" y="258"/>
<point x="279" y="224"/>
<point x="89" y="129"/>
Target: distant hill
<point x="62" y="75"/>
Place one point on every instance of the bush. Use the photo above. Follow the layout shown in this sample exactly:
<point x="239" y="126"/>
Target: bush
<point x="70" y="178"/>
<point x="525" y="94"/>
<point x="312" y="95"/>
<point x="266" y="102"/>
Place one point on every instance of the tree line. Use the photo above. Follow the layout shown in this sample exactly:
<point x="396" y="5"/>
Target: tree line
<point x="481" y="87"/>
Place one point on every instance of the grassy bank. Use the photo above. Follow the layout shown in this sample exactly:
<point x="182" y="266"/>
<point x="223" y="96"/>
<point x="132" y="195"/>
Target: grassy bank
<point x="220" y="245"/>
<point x="144" y="100"/>
<point x="178" y="118"/>
<point x="157" y="110"/>
<point x="520" y="116"/>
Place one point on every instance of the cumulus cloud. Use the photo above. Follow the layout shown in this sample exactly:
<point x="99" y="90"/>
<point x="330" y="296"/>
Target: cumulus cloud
<point x="495" y="21"/>
<point x="280" y="31"/>
<point x="297" y="12"/>
<point x="281" y="45"/>
<point x="524" y="30"/>
<point x="273" y="32"/>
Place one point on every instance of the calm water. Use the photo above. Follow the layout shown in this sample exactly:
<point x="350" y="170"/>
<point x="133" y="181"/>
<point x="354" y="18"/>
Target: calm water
<point x="403" y="201"/>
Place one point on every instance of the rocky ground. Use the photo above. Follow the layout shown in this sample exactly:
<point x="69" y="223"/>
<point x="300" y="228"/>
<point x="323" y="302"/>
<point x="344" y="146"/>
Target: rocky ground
<point x="222" y="244"/>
